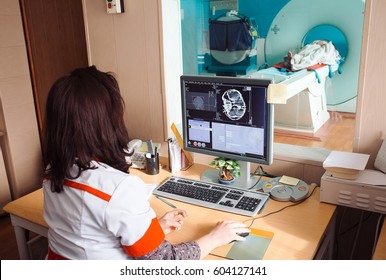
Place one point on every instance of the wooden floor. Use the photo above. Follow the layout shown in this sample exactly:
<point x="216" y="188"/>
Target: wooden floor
<point x="336" y="134"/>
<point x="8" y="248"/>
<point x="38" y="245"/>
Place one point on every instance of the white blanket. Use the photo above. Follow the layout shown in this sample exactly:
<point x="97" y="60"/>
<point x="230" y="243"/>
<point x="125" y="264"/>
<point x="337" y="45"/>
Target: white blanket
<point x="317" y="52"/>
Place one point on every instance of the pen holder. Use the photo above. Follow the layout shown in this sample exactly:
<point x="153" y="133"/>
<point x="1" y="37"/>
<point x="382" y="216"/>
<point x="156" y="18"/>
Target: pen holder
<point x="152" y="163"/>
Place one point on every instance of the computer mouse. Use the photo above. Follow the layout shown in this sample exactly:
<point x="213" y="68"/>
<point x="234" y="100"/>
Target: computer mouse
<point x="243" y="234"/>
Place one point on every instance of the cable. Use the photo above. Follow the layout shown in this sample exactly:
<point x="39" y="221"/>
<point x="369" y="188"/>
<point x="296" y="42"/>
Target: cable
<point x="261" y="174"/>
<point x="356" y="224"/>
<point x="357" y="235"/>
<point x="255" y="184"/>
<point x="338" y="233"/>
<point x="254" y="174"/>
<point x="277" y="211"/>
<point x="381" y="216"/>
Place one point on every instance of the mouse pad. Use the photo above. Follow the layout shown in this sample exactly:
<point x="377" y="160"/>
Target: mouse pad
<point x="253" y="248"/>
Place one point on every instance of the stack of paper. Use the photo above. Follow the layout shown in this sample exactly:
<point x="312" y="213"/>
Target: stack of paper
<point x="179" y="159"/>
<point x="174" y="150"/>
<point x="345" y="165"/>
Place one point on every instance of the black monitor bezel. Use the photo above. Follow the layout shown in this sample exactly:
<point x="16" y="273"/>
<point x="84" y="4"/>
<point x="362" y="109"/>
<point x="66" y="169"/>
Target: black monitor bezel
<point x="269" y="126"/>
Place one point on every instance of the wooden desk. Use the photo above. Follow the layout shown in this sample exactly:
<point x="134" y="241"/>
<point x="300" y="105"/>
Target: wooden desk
<point x="298" y="231"/>
<point x="380" y="250"/>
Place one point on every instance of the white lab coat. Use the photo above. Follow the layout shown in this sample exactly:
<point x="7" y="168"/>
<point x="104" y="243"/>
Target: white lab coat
<point x="103" y="214"/>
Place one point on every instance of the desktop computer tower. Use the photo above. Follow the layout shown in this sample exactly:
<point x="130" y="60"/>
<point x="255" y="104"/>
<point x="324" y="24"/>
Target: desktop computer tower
<point x="367" y="192"/>
<point x="361" y="205"/>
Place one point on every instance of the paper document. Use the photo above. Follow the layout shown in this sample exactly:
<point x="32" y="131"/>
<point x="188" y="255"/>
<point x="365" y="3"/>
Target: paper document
<point x="174" y="150"/>
<point x="145" y="149"/>
<point x="277" y="94"/>
<point x="288" y="180"/>
<point x="345" y="165"/>
<point x="371" y="177"/>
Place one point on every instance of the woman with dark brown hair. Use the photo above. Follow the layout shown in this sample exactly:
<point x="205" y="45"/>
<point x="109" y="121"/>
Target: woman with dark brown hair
<point x="94" y="208"/>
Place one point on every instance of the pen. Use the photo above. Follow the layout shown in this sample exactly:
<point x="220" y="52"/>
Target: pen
<point x="155" y="151"/>
<point x="150" y="147"/>
<point x="165" y="201"/>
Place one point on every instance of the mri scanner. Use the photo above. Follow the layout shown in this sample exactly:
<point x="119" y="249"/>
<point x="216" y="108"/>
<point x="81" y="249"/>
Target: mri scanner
<point x="310" y="94"/>
<point x="298" y="23"/>
<point x="232" y="44"/>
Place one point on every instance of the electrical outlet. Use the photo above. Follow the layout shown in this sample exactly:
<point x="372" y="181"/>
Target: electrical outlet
<point x="115" y="6"/>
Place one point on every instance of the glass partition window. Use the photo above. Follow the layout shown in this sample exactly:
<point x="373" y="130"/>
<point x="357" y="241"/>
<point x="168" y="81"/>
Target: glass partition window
<point x="262" y="38"/>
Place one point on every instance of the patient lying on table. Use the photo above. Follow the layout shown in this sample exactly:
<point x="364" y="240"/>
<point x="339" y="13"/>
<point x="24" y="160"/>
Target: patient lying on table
<point x="316" y="53"/>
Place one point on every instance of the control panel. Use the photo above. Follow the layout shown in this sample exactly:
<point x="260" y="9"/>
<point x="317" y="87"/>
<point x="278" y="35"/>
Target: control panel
<point x="286" y="189"/>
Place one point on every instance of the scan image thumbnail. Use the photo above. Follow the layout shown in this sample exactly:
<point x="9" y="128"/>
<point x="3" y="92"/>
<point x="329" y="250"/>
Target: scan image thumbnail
<point x="233" y="104"/>
<point x="199" y="103"/>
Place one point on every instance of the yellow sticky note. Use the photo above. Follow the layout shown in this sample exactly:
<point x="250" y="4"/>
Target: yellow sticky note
<point x="277" y="94"/>
<point x="289" y="180"/>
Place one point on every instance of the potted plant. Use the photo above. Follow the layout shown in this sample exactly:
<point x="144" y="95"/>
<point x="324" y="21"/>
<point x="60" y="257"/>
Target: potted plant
<point x="229" y="169"/>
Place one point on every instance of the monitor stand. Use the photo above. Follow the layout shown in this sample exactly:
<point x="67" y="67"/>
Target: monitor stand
<point x="245" y="181"/>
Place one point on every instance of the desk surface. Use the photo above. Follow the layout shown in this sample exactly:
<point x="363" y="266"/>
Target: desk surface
<point x="297" y="230"/>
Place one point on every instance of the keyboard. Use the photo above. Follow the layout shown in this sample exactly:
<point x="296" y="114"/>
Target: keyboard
<point x="211" y="195"/>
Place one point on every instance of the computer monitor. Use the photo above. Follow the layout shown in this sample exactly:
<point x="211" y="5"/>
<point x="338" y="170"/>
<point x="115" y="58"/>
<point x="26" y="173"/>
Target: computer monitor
<point x="228" y="117"/>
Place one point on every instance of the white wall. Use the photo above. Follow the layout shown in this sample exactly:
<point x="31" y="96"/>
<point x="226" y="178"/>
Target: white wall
<point x="171" y="50"/>
<point x="128" y="44"/>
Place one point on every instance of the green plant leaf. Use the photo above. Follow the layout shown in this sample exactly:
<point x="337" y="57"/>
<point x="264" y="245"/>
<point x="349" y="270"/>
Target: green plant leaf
<point x="226" y="164"/>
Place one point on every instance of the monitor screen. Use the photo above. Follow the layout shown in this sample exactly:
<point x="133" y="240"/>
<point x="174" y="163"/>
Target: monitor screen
<point x="227" y="117"/>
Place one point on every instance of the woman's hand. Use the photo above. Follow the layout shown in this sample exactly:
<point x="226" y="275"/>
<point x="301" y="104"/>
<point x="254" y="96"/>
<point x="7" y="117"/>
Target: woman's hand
<point x="172" y="220"/>
<point x="227" y="231"/>
<point x="223" y="233"/>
